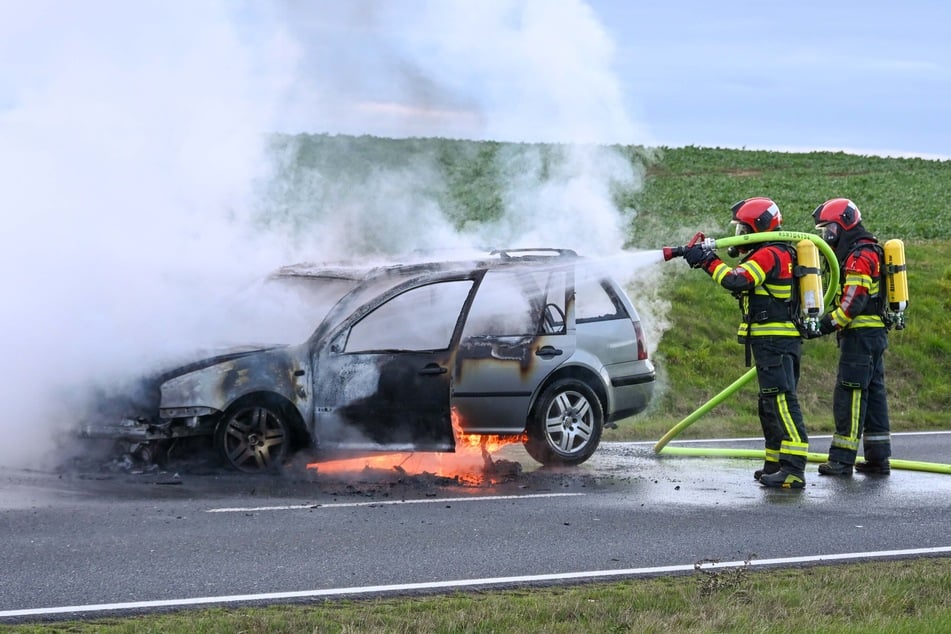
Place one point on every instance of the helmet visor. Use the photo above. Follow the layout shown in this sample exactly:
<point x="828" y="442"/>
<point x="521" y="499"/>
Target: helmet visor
<point x="830" y="232"/>
<point x="741" y="229"/>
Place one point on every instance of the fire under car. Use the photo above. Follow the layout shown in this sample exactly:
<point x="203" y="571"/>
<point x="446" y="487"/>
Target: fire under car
<point x="536" y="343"/>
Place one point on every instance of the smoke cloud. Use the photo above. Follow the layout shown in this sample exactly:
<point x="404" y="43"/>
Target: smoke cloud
<point x="136" y="168"/>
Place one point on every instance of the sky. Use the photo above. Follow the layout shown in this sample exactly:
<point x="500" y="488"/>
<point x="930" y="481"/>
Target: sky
<point x="862" y="76"/>
<point x="133" y="143"/>
<point x="867" y="77"/>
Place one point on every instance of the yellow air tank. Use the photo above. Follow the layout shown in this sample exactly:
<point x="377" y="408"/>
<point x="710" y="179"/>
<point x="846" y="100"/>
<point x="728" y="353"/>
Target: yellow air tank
<point x="896" y="275"/>
<point x="810" y="280"/>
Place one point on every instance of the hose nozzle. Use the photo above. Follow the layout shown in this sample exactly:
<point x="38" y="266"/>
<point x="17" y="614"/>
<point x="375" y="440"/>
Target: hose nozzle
<point x="678" y="252"/>
<point x="673" y="252"/>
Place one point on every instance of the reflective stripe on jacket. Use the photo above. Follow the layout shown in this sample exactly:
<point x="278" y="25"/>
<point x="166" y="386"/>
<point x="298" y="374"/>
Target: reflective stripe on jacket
<point x="859" y="301"/>
<point x="763" y="282"/>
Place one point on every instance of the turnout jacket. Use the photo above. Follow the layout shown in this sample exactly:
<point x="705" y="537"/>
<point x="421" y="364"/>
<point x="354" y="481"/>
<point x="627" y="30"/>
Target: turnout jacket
<point x="859" y="299"/>
<point x="763" y="283"/>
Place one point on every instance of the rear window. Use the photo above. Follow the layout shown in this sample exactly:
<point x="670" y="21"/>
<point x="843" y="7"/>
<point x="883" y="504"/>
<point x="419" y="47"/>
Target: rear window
<point x="596" y="300"/>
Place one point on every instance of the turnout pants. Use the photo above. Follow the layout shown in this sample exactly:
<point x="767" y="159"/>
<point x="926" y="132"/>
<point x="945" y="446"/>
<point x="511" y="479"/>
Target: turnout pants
<point x="777" y="370"/>
<point x="859" y="403"/>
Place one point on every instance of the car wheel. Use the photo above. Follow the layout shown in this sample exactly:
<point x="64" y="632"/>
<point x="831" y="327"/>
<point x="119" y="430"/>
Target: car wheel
<point x="566" y="424"/>
<point x="254" y="437"/>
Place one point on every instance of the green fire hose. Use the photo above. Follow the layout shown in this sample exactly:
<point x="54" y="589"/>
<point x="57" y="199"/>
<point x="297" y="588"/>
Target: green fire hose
<point x="829" y="254"/>
<point x="911" y="465"/>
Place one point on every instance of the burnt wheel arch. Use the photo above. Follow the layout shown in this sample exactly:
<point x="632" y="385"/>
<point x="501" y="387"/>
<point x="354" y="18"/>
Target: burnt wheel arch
<point x="566" y="422"/>
<point x="258" y="432"/>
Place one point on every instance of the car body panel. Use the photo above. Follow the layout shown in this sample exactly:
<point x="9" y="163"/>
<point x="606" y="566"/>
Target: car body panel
<point x="629" y="381"/>
<point x="280" y="370"/>
<point x="378" y="400"/>
<point x="497" y="379"/>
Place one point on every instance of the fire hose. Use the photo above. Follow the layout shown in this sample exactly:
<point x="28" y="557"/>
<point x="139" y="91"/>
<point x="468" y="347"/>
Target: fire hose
<point x="745" y="240"/>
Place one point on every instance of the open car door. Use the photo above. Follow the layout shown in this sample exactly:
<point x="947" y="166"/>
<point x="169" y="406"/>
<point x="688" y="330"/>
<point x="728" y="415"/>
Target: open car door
<point x="520" y="329"/>
<point x="385" y="377"/>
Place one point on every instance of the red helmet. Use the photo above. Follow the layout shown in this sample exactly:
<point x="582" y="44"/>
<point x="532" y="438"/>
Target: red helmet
<point x="755" y="215"/>
<point x="841" y="211"/>
<point x="835" y="217"/>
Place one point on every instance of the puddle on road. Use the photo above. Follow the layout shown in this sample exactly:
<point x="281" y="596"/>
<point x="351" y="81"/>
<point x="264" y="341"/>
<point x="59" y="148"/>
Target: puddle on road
<point x="629" y="469"/>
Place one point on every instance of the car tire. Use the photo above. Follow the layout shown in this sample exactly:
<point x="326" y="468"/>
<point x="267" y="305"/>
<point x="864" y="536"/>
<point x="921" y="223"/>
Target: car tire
<point x="566" y="424"/>
<point x="254" y="436"/>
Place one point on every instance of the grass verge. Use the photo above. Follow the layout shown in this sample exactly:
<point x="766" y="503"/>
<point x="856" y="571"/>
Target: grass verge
<point x="892" y="596"/>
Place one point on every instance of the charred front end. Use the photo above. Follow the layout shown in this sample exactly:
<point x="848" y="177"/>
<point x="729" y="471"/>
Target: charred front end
<point x="249" y="403"/>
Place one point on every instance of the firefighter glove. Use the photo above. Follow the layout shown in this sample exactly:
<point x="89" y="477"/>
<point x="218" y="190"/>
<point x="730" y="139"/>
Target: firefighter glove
<point x="699" y="257"/>
<point x="826" y="325"/>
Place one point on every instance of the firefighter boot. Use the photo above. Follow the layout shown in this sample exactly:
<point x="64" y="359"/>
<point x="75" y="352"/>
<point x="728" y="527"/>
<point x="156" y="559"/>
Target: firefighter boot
<point x="768" y="467"/>
<point x="782" y="479"/>
<point x="834" y="468"/>
<point x="881" y="467"/>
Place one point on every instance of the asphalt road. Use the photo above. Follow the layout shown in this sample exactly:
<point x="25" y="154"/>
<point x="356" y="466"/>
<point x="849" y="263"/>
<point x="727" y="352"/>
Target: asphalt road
<point x="127" y="541"/>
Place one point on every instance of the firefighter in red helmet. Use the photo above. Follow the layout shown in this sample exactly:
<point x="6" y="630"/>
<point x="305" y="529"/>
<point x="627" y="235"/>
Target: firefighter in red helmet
<point x="859" y="402"/>
<point x="763" y="284"/>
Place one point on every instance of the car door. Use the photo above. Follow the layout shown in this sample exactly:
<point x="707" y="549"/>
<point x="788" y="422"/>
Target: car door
<point x="383" y="382"/>
<point x="519" y="329"/>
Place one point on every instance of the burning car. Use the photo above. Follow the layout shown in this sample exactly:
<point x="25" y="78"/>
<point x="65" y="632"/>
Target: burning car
<point x="539" y="344"/>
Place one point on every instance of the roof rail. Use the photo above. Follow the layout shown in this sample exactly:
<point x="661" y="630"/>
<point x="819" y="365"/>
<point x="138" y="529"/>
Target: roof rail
<point x="508" y="254"/>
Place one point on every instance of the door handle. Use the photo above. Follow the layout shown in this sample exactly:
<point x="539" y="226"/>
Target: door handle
<point x="432" y="369"/>
<point x="547" y="352"/>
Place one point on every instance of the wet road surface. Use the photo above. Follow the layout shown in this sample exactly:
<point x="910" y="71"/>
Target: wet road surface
<point x="98" y="537"/>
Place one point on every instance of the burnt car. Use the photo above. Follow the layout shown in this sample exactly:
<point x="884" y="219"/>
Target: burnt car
<point x="537" y="343"/>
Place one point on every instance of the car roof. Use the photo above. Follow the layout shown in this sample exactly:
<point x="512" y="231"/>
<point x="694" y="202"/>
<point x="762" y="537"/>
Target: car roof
<point x="368" y="281"/>
<point x="421" y="265"/>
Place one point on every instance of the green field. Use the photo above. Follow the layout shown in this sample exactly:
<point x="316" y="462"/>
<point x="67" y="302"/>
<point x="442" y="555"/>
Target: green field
<point x="696" y="357"/>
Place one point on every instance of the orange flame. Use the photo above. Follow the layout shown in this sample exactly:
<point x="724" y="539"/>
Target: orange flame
<point x="470" y="464"/>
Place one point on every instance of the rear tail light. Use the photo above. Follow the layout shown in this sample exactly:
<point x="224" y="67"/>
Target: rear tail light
<point x="641" y="341"/>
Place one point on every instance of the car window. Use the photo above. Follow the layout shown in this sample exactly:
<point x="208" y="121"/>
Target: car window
<point x="422" y="318"/>
<point x="555" y="284"/>
<point x="595" y="300"/>
<point x="518" y="302"/>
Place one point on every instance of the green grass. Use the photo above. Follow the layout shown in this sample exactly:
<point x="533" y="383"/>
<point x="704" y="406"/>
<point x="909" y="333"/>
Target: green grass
<point x="904" y="198"/>
<point x="892" y="596"/>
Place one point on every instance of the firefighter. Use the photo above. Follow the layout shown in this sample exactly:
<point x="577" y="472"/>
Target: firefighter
<point x="763" y="284"/>
<point x="859" y="403"/>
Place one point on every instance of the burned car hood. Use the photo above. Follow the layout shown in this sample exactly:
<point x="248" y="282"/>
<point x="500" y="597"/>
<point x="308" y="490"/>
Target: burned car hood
<point x="206" y="360"/>
<point x="138" y="397"/>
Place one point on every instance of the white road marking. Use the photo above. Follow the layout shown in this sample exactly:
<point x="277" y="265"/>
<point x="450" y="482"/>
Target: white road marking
<point x="464" y="583"/>
<point x="297" y="507"/>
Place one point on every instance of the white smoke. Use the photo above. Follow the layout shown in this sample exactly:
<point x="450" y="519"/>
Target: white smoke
<point x="133" y="150"/>
<point x="131" y="139"/>
<point x="521" y="71"/>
